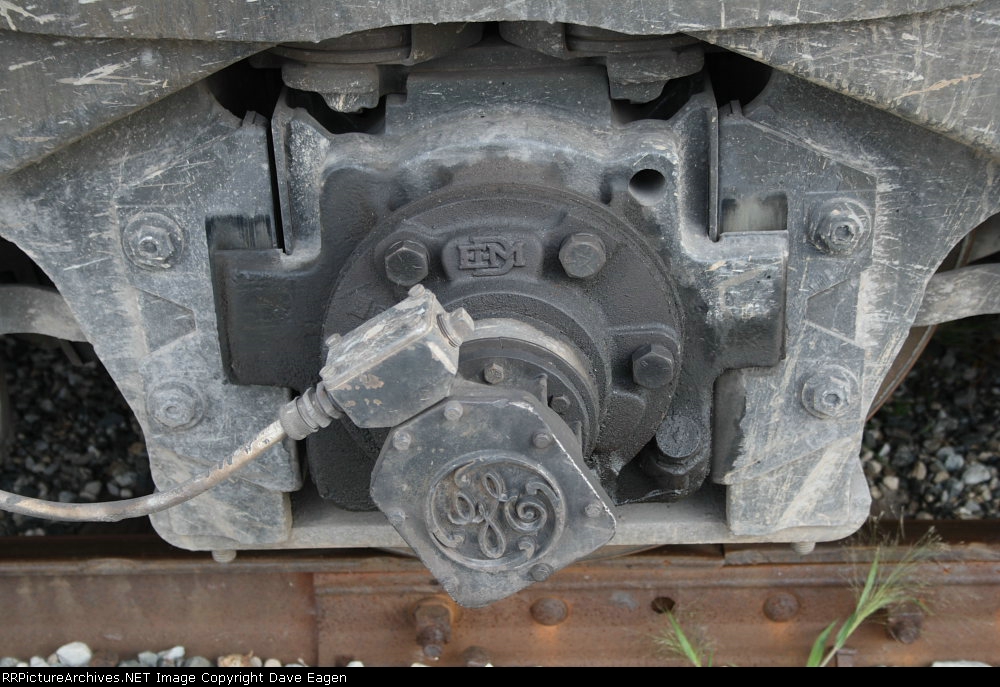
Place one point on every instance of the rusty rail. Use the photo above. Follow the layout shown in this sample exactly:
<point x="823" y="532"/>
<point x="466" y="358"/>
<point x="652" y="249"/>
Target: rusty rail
<point x="756" y="605"/>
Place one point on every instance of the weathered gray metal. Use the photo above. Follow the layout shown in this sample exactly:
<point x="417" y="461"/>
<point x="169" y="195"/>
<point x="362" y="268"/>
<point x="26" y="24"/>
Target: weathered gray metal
<point x="494" y="500"/>
<point x="37" y="310"/>
<point x="956" y="294"/>
<point x="207" y="298"/>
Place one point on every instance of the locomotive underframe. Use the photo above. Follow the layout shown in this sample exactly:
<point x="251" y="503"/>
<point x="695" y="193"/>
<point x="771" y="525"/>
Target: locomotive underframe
<point x="782" y="330"/>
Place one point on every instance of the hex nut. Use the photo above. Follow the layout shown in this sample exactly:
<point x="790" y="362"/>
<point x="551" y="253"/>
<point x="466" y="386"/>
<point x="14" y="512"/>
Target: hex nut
<point x="407" y="262"/>
<point x="830" y="393"/>
<point x="652" y="366"/>
<point x="152" y="241"/>
<point x="839" y="226"/>
<point x="175" y="405"/>
<point x="582" y="255"/>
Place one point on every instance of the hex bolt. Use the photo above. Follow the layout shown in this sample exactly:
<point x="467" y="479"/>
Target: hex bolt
<point x="781" y="607"/>
<point x="152" y="241"/>
<point x="541" y="439"/>
<point x="541" y="572"/>
<point x="652" y="366"/>
<point x="582" y="255"/>
<point x="549" y="611"/>
<point x="433" y="618"/>
<point x="407" y="262"/>
<point x="839" y="226"/>
<point x="453" y="411"/>
<point x="175" y="405"/>
<point x="560" y="403"/>
<point x="905" y="622"/>
<point x="401" y="440"/>
<point x="494" y="373"/>
<point x="830" y="393"/>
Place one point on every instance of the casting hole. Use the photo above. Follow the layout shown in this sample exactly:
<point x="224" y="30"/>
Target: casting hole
<point x="647" y="186"/>
<point x="663" y="604"/>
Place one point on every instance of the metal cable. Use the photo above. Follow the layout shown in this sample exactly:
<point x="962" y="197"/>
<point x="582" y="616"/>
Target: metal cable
<point x="114" y="511"/>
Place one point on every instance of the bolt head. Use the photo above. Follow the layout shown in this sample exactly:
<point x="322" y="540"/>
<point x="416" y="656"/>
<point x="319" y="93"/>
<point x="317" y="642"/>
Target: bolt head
<point x="830" y="393"/>
<point x="593" y="510"/>
<point x="494" y="373"/>
<point x="560" y="403"/>
<point x="395" y="516"/>
<point x="175" y="406"/>
<point x="905" y="622"/>
<point x="453" y="411"/>
<point x="152" y="241"/>
<point x="549" y="611"/>
<point x="541" y="572"/>
<point x="839" y="226"/>
<point x="781" y="607"/>
<point x="652" y="366"/>
<point x="582" y="255"/>
<point x="407" y="263"/>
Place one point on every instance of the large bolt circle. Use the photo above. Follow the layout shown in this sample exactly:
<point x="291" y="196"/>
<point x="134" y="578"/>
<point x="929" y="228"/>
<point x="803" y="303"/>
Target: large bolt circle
<point x="406" y="263"/>
<point x="652" y="366"/>
<point x="582" y="255"/>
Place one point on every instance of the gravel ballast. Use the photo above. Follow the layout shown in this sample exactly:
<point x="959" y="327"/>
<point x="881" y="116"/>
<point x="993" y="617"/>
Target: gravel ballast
<point x="932" y="452"/>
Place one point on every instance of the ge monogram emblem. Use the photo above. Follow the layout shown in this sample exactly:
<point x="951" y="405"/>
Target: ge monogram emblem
<point x="496" y="514"/>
